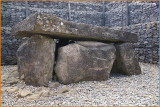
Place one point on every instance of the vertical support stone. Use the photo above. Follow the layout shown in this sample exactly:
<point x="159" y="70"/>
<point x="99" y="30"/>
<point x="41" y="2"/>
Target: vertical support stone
<point x="36" y="60"/>
<point x="126" y="62"/>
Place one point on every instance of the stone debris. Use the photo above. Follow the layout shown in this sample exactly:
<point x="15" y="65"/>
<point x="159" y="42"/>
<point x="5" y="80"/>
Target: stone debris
<point x="9" y="89"/>
<point x="33" y="97"/>
<point x="15" y="74"/>
<point x="12" y="89"/>
<point x="24" y="93"/>
<point x="64" y="89"/>
<point x="12" y="81"/>
<point x="52" y="93"/>
<point x="43" y="91"/>
<point x="4" y="78"/>
<point x="54" y="85"/>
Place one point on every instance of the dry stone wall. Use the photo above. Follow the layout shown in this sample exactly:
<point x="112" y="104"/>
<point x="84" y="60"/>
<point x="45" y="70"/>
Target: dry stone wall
<point x="90" y="12"/>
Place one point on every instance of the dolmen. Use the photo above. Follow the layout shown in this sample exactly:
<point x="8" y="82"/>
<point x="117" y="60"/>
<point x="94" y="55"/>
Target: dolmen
<point x="92" y="55"/>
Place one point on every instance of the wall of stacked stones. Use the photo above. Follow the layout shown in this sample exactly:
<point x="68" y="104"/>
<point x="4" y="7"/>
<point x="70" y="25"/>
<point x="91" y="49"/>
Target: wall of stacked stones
<point x="91" y="12"/>
<point x="117" y="13"/>
<point x="147" y="47"/>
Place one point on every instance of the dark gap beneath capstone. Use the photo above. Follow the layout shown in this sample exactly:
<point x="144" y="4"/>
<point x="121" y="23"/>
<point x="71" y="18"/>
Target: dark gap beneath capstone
<point x="59" y="43"/>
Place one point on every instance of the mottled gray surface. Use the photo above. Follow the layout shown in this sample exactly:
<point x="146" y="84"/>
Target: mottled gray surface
<point x="147" y="47"/>
<point x="55" y="27"/>
<point x="9" y="46"/>
<point x="139" y="12"/>
<point x="36" y="60"/>
<point x="84" y="61"/>
<point x="126" y="62"/>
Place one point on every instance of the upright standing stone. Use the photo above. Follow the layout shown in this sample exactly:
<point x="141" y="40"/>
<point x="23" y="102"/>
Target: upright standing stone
<point x="84" y="61"/>
<point x="58" y="28"/>
<point x="36" y="60"/>
<point x="126" y="62"/>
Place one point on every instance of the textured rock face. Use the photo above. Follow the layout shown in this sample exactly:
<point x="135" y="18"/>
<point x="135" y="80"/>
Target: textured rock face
<point x="59" y="28"/>
<point x="84" y="61"/>
<point x="125" y="62"/>
<point x="36" y="60"/>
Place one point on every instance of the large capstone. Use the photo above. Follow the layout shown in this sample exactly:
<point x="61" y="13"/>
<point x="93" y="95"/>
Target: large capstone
<point x="84" y="61"/>
<point x="36" y="60"/>
<point x="126" y="62"/>
<point x="56" y="27"/>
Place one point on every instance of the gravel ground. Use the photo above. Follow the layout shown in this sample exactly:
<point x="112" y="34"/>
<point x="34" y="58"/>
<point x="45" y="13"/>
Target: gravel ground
<point x="119" y="90"/>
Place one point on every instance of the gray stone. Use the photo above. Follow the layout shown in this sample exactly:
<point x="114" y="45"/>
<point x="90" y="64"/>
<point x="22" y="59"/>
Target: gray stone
<point x="84" y="61"/>
<point x="56" y="27"/>
<point x="36" y="60"/>
<point x="126" y="62"/>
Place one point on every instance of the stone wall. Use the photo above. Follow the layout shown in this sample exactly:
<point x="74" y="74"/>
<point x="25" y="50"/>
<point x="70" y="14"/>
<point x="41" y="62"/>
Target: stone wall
<point x="85" y="12"/>
<point x="147" y="48"/>
<point x="108" y="13"/>
<point x="116" y="13"/>
<point x="9" y="46"/>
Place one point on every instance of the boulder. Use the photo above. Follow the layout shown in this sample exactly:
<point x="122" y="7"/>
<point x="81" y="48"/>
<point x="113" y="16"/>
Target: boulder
<point x="36" y="60"/>
<point x="84" y="61"/>
<point x="126" y="62"/>
<point x="56" y="27"/>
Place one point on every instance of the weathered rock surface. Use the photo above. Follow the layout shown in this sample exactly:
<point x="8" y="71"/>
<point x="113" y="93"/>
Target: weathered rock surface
<point x="54" y="85"/>
<point x="11" y="81"/>
<point x="64" y="89"/>
<point x="126" y="62"/>
<point x="33" y="97"/>
<point x="36" y="60"/>
<point x="9" y="89"/>
<point x="84" y="61"/>
<point x="24" y="93"/>
<point x="39" y="23"/>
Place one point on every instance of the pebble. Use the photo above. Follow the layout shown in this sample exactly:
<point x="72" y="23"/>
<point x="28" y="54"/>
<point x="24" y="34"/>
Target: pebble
<point x="119" y="90"/>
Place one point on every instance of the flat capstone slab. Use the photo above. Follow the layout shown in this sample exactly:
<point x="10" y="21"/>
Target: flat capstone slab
<point x="55" y="27"/>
